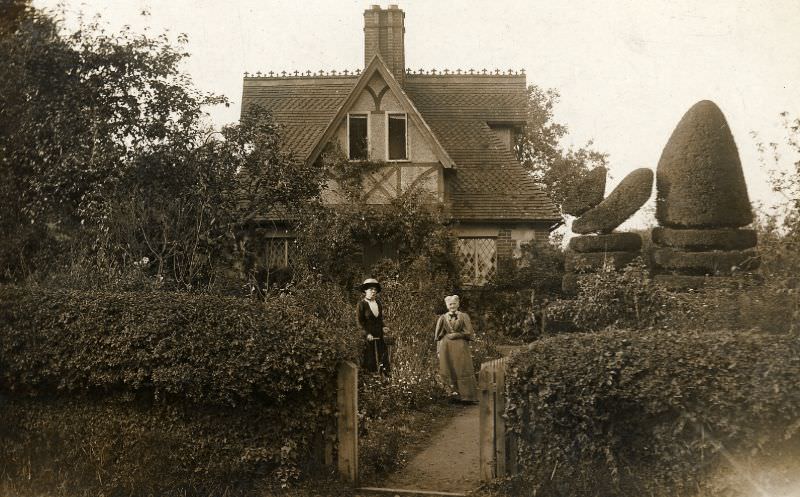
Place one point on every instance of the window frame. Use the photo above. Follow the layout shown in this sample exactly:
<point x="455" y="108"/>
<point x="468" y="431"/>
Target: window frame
<point x="474" y="280"/>
<point x="365" y="115"/>
<point x="285" y="244"/>
<point x="405" y="144"/>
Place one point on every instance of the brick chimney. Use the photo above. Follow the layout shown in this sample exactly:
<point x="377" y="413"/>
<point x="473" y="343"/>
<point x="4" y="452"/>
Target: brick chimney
<point x="384" y="34"/>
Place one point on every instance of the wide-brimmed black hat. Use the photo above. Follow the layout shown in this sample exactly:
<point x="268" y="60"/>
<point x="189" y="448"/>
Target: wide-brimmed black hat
<point x="370" y="282"/>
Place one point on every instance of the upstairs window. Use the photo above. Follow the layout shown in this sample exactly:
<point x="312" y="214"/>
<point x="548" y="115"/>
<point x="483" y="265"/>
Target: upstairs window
<point x="397" y="137"/>
<point x="357" y="136"/>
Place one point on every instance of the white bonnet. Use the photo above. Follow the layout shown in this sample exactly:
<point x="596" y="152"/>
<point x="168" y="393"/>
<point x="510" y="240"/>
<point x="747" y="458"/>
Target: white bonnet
<point x="451" y="298"/>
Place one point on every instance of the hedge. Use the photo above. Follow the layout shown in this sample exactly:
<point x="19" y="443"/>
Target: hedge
<point x="699" y="178"/>
<point x="705" y="239"/>
<point x="714" y="262"/>
<point x="657" y="413"/>
<point x="611" y="242"/>
<point x="631" y="193"/>
<point x="594" y="261"/>
<point x="232" y="390"/>
<point x="586" y="193"/>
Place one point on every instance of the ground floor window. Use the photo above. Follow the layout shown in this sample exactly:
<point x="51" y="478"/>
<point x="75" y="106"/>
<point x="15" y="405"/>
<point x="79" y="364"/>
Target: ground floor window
<point x="278" y="252"/>
<point x="478" y="260"/>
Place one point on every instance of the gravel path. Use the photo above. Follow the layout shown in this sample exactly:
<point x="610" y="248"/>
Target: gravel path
<point x="449" y="463"/>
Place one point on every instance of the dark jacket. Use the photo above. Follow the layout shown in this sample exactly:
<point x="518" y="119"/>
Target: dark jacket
<point x="375" y="354"/>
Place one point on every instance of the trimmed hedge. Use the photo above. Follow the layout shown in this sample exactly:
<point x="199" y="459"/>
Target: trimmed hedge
<point x="699" y="178"/>
<point x="611" y="242"/>
<point x="632" y="192"/>
<point x="705" y="239"/>
<point x="714" y="262"/>
<point x="586" y="193"/>
<point x="594" y="261"/>
<point x="657" y="413"/>
<point x="237" y="389"/>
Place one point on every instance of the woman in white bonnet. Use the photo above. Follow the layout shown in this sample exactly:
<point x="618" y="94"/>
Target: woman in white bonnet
<point x="453" y="331"/>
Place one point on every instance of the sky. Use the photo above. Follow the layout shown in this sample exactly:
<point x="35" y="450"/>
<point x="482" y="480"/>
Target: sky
<point x="627" y="70"/>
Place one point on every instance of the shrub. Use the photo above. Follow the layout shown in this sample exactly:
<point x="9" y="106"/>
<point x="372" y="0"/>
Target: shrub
<point x="623" y="299"/>
<point x="657" y="413"/>
<point x="212" y="390"/>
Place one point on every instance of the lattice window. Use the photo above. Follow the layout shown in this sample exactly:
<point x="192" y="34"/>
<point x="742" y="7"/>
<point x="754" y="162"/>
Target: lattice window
<point x="278" y="253"/>
<point x="478" y="259"/>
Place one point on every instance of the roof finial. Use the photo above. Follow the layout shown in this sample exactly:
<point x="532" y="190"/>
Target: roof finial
<point x="271" y="73"/>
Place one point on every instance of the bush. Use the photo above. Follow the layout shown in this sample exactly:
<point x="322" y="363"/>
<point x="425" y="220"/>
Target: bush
<point x="657" y="413"/>
<point x="610" y="298"/>
<point x="222" y="390"/>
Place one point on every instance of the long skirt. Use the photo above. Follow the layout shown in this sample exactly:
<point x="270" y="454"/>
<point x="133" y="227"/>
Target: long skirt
<point x="375" y="357"/>
<point x="455" y="368"/>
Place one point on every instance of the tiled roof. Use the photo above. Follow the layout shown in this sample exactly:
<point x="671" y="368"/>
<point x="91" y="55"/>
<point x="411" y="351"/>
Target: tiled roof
<point x="303" y="106"/>
<point x="488" y="183"/>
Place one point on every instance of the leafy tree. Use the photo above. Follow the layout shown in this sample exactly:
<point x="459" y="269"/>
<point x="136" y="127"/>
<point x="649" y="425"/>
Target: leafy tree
<point x="539" y="148"/>
<point x="106" y="157"/>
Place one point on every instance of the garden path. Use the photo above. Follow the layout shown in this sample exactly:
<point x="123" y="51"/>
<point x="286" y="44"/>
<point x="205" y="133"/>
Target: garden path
<point x="450" y="463"/>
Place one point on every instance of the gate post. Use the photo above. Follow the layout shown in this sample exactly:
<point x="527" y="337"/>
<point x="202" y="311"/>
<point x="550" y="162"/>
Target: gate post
<point x="497" y="446"/>
<point x="347" y="420"/>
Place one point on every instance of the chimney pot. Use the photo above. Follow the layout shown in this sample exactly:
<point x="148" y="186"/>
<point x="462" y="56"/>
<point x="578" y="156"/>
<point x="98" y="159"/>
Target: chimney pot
<point x="393" y="6"/>
<point x="376" y="7"/>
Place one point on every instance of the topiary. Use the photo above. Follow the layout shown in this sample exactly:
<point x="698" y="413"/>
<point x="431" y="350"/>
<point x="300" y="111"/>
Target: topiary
<point x="699" y="179"/>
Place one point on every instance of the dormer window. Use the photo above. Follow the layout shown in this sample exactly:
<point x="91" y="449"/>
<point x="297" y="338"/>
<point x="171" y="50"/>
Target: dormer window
<point x="357" y="141"/>
<point x="398" y="149"/>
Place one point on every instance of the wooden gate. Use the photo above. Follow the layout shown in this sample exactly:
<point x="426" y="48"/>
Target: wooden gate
<point x="498" y="447"/>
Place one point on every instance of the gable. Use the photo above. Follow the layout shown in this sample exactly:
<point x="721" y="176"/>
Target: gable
<point x="378" y="101"/>
<point x="368" y="82"/>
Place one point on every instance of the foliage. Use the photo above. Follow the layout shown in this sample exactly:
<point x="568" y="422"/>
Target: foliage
<point x="621" y="299"/>
<point x="106" y="158"/>
<point x="237" y="387"/>
<point x="539" y="150"/>
<point x="657" y="413"/>
<point x="183" y="213"/>
<point x="332" y="240"/>
<point x="779" y="234"/>
<point x="510" y="308"/>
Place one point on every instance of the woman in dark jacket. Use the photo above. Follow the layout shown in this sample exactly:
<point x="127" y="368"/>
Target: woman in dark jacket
<point x="369" y="313"/>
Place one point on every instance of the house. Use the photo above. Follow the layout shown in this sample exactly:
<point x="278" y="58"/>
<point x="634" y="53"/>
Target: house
<point x="448" y="132"/>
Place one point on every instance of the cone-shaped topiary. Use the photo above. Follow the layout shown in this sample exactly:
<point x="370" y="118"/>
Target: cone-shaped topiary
<point x="699" y="180"/>
<point x="586" y="193"/>
<point x="632" y="192"/>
